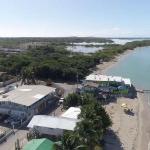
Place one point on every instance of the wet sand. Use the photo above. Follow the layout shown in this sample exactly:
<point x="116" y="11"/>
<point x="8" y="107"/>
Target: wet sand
<point x="144" y="121"/>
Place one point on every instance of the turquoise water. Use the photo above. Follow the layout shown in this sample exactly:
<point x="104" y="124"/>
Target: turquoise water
<point x="136" y="66"/>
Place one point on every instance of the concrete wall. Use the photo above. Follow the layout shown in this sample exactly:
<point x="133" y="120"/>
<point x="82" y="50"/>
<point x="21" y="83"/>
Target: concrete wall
<point x="37" y="108"/>
<point x="49" y="131"/>
<point x="2" y="84"/>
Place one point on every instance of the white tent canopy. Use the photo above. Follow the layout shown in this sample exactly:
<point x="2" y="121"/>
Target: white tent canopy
<point x="52" y="122"/>
<point x="105" y="78"/>
<point x="72" y="113"/>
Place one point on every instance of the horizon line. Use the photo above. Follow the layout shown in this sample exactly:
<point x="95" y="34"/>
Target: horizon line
<point x="107" y="37"/>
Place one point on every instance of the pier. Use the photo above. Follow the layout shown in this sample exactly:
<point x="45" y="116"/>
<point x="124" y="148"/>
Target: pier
<point x="142" y="91"/>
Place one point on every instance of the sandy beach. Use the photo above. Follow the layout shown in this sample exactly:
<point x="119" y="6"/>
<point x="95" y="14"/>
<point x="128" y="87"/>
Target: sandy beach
<point x="127" y="131"/>
<point x="125" y="127"/>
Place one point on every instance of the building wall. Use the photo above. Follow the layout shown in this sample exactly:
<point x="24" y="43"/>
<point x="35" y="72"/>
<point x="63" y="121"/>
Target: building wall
<point x="20" y="110"/>
<point x="49" y="131"/>
<point x="12" y="109"/>
<point x="41" y="105"/>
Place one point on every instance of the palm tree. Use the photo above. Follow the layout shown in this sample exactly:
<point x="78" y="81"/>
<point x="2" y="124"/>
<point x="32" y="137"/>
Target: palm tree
<point x="72" y="141"/>
<point x="90" y="129"/>
<point x="28" y="76"/>
<point x="93" y="124"/>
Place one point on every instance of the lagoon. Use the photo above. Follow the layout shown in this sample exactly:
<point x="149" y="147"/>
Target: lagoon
<point x="84" y="49"/>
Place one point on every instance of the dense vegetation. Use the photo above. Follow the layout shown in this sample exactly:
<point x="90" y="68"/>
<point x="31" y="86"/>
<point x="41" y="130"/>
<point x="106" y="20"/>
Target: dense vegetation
<point x="48" y="62"/>
<point x="56" y="63"/>
<point x="93" y="123"/>
<point x="75" y="100"/>
<point x="23" y="42"/>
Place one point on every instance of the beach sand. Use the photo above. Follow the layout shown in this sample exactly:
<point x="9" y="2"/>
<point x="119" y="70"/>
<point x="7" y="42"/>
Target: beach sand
<point x="127" y="131"/>
<point x="144" y="122"/>
<point x="125" y="127"/>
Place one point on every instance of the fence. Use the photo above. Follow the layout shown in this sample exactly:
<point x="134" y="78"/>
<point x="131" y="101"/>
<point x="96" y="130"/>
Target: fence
<point x="2" y="84"/>
<point x="13" y="131"/>
<point x="7" y="134"/>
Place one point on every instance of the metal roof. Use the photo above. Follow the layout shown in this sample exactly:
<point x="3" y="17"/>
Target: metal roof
<point x="26" y="94"/>
<point x="40" y="144"/>
<point x="52" y="122"/>
<point x="99" y="77"/>
<point x="127" y="81"/>
<point x="72" y="112"/>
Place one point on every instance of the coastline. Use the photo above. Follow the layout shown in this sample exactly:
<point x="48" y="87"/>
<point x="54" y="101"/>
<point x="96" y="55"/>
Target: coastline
<point x="102" y="68"/>
<point x="128" y="129"/>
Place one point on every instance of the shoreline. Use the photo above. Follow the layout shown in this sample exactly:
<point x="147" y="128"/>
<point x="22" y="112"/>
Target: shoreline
<point x="102" y="68"/>
<point x="134" y="131"/>
<point x="128" y="131"/>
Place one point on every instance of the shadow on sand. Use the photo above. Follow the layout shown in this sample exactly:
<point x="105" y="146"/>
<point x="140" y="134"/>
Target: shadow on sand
<point x="112" y="141"/>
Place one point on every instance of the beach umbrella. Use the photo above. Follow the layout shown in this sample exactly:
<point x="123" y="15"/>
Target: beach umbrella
<point x="124" y="105"/>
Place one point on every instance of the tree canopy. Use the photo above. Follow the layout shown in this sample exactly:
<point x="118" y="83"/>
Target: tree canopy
<point x="54" y="61"/>
<point x="89" y="131"/>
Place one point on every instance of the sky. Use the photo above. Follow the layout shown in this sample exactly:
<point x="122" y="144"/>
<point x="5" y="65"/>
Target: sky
<point x="54" y="18"/>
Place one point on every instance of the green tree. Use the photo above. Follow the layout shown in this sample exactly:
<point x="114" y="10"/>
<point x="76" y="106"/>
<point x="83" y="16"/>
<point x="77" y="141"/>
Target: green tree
<point x="91" y="128"/>
<point x="27" y="76"/>
<point x="72" y="141"/>
<point x="72" y="100"/>
<point x="94" y="111"/>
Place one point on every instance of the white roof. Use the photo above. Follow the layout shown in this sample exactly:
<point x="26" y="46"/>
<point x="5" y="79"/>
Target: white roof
<point x="27" y="94"/>
<point x="115" y="78"/>
<point x="98" y="78"/>
<point x="94" y="77"/>
<point x="72" y="112"/>
<point x="127" y="81"/>
<point x="53" y="122"/>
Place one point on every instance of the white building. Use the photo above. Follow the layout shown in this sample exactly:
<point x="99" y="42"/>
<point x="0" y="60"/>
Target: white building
<point x="27" y="100"/>
<point x="103" y="78"/>
<point x="52" y="125"/>
<point x="72" y="113"/>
